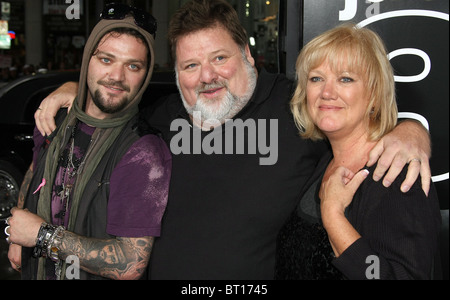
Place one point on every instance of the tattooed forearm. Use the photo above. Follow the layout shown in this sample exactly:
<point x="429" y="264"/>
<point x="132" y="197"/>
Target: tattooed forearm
<point x="24" y="188"/>
<point x="119" y="259"/>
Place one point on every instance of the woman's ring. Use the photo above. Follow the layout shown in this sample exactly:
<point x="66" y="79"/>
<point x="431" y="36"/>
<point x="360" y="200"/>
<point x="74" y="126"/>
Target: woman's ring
<point x="416" y="159"/>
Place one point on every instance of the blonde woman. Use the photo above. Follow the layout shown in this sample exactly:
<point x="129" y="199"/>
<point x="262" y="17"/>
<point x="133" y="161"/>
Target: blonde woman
<point x="348" y="225"/>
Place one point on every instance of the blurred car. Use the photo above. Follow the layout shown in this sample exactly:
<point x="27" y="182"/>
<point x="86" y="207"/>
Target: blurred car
<point x="18" y="102"/>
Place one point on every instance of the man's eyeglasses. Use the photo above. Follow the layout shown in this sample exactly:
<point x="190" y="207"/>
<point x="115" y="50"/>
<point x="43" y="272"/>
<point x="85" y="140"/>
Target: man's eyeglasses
<point x="119" y="11"/>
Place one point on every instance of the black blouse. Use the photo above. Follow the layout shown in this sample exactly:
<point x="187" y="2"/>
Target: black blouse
<point x="400" y="229"/>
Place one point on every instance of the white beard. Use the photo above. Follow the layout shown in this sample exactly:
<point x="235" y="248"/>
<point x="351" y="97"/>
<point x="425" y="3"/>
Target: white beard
<point x="226" y="108"/>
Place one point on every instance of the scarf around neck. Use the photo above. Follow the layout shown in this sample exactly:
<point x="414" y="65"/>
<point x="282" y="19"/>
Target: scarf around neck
<point x="104" y="136"/>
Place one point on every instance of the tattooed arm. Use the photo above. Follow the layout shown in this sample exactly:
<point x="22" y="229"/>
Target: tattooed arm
<point x="119" y="259"/>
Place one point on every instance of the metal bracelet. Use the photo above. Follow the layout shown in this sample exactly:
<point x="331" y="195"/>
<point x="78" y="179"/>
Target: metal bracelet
<point x="54" y="245"/>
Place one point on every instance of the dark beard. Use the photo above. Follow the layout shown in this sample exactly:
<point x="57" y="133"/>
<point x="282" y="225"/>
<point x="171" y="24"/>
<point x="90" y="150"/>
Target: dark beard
<point x="100" y="102"/>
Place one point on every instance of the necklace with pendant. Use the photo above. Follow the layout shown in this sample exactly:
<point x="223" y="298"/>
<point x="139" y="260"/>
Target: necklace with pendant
<point x="71" y="171"/>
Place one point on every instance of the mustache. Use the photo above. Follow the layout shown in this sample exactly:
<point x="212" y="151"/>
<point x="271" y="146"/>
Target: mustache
<point x="210" y="86"/>
<point x="116" y="84"/>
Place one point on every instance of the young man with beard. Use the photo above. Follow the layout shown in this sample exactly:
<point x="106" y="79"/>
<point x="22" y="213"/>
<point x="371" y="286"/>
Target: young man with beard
<point x="225" y="211"/>
<point x="98" y="188"/>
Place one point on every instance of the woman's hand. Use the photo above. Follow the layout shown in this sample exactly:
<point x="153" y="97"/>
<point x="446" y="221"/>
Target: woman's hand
<point x="336" y="195"/>
<point x="337" y="192"/>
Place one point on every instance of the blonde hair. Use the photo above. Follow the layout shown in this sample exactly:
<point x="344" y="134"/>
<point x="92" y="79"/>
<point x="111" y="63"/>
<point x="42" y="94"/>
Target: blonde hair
<point x="364" y="53"/>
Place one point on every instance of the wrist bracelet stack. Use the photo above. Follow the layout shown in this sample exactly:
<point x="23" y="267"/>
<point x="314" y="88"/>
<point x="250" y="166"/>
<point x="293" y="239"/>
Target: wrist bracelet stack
<point x="48" y="242"/>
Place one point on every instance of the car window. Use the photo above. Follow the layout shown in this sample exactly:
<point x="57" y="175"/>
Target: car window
<point x="33" y="103"/>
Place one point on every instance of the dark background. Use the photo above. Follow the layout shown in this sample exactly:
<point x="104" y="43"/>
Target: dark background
<point x="301" y="20"/>
<point x="429" y="97"/>
<point x="423" y="26"/>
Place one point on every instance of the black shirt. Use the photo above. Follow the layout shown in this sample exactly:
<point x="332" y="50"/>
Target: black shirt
<point x="226" y="207"/>
<point x="400" y="234"/>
